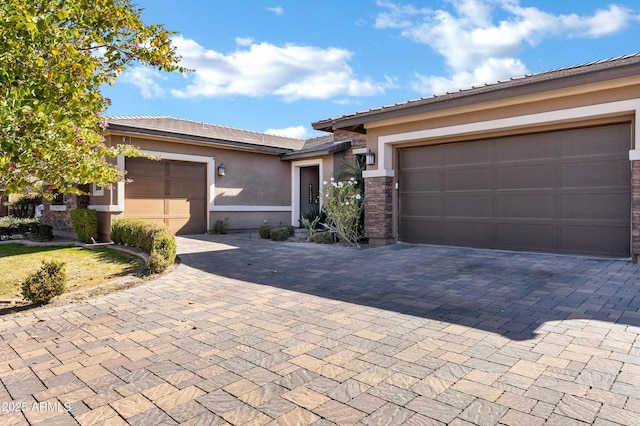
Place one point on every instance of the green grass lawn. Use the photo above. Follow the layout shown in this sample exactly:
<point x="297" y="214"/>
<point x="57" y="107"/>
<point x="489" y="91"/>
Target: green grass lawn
<point x="84" y="268"/>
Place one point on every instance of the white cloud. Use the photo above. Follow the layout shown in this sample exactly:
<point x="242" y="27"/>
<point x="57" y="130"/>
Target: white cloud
<point x="298" y="132"/>
<point x="278" y="10"/>
<point x="491" y="70"/>
<point x="244" y="41"/>
<point x="477" y="45"/>
<point x="146" y="79"/>
<point x="259" y="69"/>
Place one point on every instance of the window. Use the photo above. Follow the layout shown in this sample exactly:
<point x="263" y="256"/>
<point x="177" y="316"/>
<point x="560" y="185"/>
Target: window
<point x="59" y="203"/>
<point x="98" y="191"/>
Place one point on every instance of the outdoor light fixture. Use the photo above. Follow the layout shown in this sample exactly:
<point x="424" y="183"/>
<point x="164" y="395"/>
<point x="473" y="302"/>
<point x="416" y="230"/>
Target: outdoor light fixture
<point x="371" y="158"/>
<point x="221" y="171"/>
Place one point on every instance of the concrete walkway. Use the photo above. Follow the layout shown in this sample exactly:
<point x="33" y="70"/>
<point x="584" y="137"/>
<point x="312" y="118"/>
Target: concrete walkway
<point x="253" y="332"/>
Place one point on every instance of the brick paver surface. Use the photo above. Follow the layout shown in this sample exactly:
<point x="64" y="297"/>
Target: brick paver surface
<point x="253" y="332"/>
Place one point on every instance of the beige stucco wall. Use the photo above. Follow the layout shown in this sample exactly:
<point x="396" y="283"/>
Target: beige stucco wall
<point x="556" y="100"/>
<point x="256" y="186"/>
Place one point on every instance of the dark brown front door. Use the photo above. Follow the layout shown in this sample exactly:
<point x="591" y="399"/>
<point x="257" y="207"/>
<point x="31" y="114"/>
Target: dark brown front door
<point x="309" y="188"/>
<point x="563" y="192"/>
<point x="167" y="191"/>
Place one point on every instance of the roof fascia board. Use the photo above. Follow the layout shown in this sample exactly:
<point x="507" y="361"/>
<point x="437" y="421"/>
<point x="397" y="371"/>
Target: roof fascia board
<point x="506" y="102"/>
<point x="513" y="88"/>
<point x="336" y="147"/>
<point x="118" y="129"/>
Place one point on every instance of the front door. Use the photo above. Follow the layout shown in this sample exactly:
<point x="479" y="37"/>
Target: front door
<point x="309" y="188"/>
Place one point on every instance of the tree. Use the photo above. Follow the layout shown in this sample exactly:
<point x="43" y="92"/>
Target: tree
<point x="54" y="57"/>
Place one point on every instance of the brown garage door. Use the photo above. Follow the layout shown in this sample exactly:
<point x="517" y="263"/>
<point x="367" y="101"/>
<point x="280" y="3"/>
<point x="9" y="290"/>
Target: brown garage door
<point x="562" y="192"/>
<point x="172" y="192"/>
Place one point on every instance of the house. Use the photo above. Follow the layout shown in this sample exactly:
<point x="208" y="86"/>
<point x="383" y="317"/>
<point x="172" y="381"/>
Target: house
<point x="547" y="162"/>
<point x="202" y="173"/>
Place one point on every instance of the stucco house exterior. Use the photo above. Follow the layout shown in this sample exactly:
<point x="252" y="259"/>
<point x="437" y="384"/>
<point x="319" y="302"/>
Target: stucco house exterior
<point x="548" y="162"/>
<point x="205" y="173"/>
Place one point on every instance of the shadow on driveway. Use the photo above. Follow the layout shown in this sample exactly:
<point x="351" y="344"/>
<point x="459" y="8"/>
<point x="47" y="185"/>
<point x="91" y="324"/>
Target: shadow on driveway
<point x="508" y="293"/>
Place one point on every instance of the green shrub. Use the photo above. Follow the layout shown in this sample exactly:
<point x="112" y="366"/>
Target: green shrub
<point x="281" y="233"/>
<point x="46" y="283"/>
<point x="323" y="237"/>
<point x="265" y="231"/>
<point x="311" y="220"/>
<point x="10" y="225"/>
<point x="164" y="245"/>
<point x="85" y="224"/>
<point x="157" y="263"/>
<point x="152" y="237"/>
<point x="27" y="226"/>
<point x="343" y="205"/>
<point x="221" y="226"/>
<point x="43" y="233"/>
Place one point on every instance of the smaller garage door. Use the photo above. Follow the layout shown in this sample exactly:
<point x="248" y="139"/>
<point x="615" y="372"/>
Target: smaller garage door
<point x="563" y="192"/>
<point x="171" y="192"/>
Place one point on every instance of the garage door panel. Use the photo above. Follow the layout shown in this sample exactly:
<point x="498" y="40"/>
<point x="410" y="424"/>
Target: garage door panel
<point x="183" y="189"/>
<point x="423" y="205"/>
<point x="145" y="167"/>
<point x="178" y="206"/>
<point x="526" y="176"/>
<point x="596" y="240"/>
<point x="479" y="153"/>
<point x="598" y="206"/>
<point x="538" y="237"/>
<point x="143" y="206"/>
<point x="421" y="157"/>
<point x="526" y="206"/>
<point x="425" y="180"/>
<point x="469" y="206"/>
<point x="426" y="231"/>
<point x="594" y="174"/>
<point x="538" y="147"/>
<point x="469" y="233"/>
<point x="184" y="224"/>
<point x="600" y="141"/>
<point x="145" y="187"/>
<point x="187" y="170"/>
<point x="565" y="191"/>
<point x="465" y="179"/>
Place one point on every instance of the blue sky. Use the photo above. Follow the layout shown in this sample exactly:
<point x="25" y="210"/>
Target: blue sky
<point x="277" y="66"/>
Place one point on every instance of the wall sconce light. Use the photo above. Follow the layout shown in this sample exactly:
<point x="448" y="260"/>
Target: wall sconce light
<point x="221" y="170"/>
<point x="370" y="158"/>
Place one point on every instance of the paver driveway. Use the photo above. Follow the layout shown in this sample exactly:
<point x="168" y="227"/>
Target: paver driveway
<point x="248" y="331"/>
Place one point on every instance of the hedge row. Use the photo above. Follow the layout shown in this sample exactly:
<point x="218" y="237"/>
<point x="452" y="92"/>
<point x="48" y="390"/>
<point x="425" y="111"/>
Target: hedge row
<point x="85" y="224"/>
<point x="152" y="237"/>
<point x="276" y="233"/>
<point x="30" y="228"/>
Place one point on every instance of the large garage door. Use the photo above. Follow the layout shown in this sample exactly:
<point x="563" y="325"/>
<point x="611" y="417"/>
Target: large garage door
<point x="562" y="192"/>
<point x="172" y="192"/>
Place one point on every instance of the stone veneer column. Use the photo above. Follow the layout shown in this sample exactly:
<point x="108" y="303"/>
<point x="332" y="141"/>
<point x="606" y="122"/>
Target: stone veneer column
<point x="378" y="223"/>
<point x="635" y="210"/>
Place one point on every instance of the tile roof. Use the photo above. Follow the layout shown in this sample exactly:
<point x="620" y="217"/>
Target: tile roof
<point x="171" y="126"/>
<point x="322" y="145"/>
<point x="553" y="74"/>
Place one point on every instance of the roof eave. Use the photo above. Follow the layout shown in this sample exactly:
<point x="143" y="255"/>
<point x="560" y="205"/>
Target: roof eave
<point x="555" y="80"/>
<point x="336" y="147"/>
<point x="197" y="139"/>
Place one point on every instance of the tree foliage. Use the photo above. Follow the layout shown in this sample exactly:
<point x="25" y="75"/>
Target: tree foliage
<point x="54" y="57"/>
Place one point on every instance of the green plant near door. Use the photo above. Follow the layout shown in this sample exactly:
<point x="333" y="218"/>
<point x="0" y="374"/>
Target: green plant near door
<point x="343" y="204"/>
